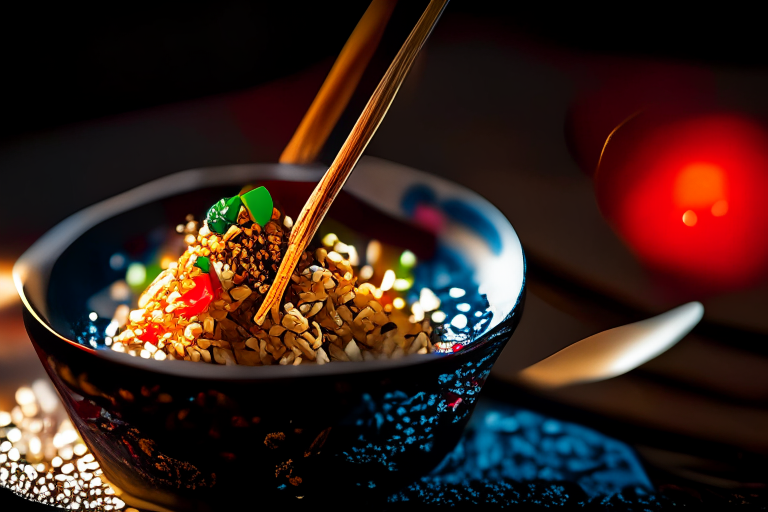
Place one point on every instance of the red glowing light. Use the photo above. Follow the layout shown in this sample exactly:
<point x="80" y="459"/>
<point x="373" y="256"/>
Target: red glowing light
<point x="690" y="218"/>
<point x="699" y="185"/>
<point x="711" y="172"/>
<point x="720" y="208"/>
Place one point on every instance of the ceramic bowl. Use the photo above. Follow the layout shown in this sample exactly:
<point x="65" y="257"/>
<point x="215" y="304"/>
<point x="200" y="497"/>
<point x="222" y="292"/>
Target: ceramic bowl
<point x="179" y="435"/>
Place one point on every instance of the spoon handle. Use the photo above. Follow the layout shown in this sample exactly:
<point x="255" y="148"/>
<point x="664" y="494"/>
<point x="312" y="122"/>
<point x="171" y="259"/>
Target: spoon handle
<point x="334" y="178"/>
<point x="616" y="351"/>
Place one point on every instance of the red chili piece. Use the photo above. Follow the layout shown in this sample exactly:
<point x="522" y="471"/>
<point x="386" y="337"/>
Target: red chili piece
<point x="215" y="283"/>
<point x="198" y="298"/>
<point x="151" y="334"/>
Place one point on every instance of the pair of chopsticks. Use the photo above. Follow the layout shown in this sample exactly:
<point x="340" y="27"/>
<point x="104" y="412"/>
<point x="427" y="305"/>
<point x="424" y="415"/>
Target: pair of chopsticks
<point x="325" y="111"/>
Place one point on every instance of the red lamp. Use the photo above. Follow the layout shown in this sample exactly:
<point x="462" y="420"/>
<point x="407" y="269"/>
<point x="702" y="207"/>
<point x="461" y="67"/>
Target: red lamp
<point x="687" y="193"/>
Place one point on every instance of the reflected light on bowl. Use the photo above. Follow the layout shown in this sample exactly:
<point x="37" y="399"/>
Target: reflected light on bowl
<point x="8" y="293"/>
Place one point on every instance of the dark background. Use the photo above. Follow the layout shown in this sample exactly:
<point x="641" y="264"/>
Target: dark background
<point x="66" y="63"/>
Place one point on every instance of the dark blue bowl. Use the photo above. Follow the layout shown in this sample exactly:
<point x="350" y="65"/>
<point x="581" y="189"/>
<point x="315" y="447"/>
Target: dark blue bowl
<point x="182" y="435"/>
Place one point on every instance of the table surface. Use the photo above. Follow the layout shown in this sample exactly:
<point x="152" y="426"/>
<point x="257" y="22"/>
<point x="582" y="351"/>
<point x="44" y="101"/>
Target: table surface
<point x="513" y="456"/>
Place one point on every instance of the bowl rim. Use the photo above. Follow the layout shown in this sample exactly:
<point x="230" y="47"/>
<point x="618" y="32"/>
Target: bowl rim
<point x="63" y="234"/>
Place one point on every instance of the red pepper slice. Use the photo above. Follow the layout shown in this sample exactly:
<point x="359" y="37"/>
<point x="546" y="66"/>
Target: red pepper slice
<point x="215" y="283"/>
<point x="198" y="298"/>
<point x="151" y="334"/>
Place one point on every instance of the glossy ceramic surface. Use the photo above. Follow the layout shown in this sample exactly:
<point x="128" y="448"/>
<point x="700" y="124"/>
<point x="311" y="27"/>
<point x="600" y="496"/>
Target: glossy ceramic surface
<point x="182" y="435"/>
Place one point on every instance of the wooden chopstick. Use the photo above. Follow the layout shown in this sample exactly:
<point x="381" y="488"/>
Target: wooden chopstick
<point x="329" y="186"/>
<point x="339" y="85"/>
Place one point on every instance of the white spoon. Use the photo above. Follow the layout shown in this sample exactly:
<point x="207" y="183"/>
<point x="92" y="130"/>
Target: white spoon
<point x="616" y="351"/>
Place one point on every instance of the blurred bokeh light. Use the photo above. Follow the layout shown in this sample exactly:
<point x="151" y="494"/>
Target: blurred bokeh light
<point x="686" y="193"/>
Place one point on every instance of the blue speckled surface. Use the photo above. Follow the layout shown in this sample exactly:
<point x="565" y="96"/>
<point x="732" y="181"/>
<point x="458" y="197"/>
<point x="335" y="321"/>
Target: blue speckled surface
<point x="514" y="458"/>
<point x="511" y="455"/>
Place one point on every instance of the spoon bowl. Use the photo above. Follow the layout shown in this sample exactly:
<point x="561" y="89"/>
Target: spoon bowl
<point x="616" y="351"/>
